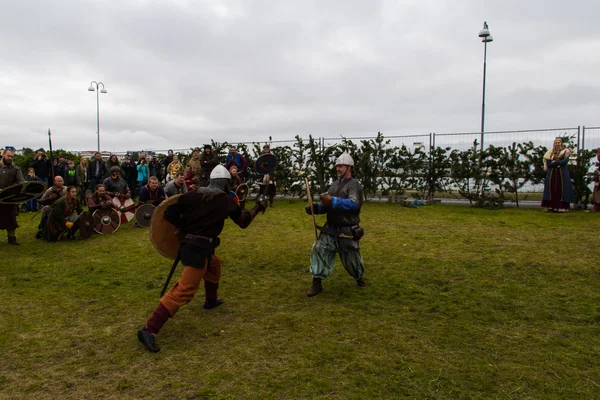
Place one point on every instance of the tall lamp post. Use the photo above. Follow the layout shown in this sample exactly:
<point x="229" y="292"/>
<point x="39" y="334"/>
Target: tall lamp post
<point x="98" y="91"/>
<point x="485" y="36"/>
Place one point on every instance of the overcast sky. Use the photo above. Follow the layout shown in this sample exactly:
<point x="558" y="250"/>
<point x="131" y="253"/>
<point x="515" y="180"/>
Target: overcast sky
<point x="180" y="73"/>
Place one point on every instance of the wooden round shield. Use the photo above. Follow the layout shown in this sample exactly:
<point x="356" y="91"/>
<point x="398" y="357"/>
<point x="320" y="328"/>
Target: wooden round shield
<point x="121" y="202"/>
<point x="242" y="191"/>
<point x="106" y="221"/>
<point x="163" y="233"/>
<point x="143" y="214"/>
<point x="265" y="164"/>
<point x="22" y="192"/>
<point x="85" y="223"/>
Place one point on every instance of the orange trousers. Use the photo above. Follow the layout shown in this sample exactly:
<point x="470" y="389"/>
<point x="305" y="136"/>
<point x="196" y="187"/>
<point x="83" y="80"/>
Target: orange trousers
<point x="185" y="288"/>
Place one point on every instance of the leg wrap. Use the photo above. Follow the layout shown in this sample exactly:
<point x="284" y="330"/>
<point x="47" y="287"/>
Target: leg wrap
<point x="158" y="319"/>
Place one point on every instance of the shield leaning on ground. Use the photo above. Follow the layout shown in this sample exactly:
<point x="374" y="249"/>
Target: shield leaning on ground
<point x="106" y="221"/>
<point x="265" y="164"/>
<point x="242" y="191"/>
<point x="85" y="222"/>
<point x="22" y="192"/>
<point x="121" y="202"/>
<point x="143" y="214"/>
<point x="162" y="233"/>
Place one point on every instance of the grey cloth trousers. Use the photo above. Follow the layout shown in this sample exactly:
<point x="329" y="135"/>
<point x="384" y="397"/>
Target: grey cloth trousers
<point x="322" y="258"/>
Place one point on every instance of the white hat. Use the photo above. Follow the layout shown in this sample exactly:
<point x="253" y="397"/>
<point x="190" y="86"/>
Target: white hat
<point x="220" y="172"/>
<point x="344" y="159"/>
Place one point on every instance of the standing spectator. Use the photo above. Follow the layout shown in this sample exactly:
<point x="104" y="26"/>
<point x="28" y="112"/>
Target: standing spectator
<point x="42" y="166"/>
<point x="58" y="170"/>
<point x="194" y="163"/>
<point x="155" y="168"/>
<point x="142" y="170"/>
<point x="208" y="160"/>
<point x="175" y="167"/>
<point x="113" y="161"/>
<point x="83" y="181"/>
<point x="268" y="182"/>
<point x="239" y="160"/>
<point x="31" y="205"/>
<point x="558" y="190"/>
<point x="97" y="170"/>
<point x="130" y="173"/>
<point x="70" y="175"/>
<point x="168" y="160"/>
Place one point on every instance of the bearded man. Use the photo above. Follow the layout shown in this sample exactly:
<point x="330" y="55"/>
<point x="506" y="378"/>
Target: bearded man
<point x="48" y="199"/>
<point x="200" y="217"/>
<point x="9" y="175"/>
<point x="115" y="185"/>
<point x="341" y="233"/>
<point x="99" y="200"/>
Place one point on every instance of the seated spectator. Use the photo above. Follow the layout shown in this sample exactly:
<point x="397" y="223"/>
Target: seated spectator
<point x="152" y="192"/>
<point x="176" y="186"/>
<point x="32" y="205"/>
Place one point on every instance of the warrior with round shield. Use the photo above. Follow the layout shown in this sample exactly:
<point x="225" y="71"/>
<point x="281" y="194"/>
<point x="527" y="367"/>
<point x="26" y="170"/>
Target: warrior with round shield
<point x="341" y="233"/>
<point x="100" y="200"/>
<point x="9" y="175"/>
<point x="63" y="215"/>
<point x="115" y="185"/>
<point x="199" y="218"/>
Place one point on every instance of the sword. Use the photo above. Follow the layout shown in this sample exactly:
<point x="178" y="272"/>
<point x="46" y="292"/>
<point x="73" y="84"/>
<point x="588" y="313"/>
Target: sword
<point x="310" y="202"/>
<point x="164" y="289"/>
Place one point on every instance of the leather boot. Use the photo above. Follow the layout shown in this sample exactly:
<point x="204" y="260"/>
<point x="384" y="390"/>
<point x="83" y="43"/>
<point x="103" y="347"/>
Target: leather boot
<point x="316" y="287"/>
<point x="211" y="295"/>
<point x="361" y="282"/>
<point x="148" y="340"/>
<point x="13" y="240"/>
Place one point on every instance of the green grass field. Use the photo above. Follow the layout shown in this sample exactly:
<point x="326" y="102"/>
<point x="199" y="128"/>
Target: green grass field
<point x="460" y="303"/>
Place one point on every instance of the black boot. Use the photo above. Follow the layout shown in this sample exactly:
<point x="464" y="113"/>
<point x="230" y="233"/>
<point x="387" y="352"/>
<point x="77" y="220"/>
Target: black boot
<point x="13" y="240"/>
<point x="212" y="299"/>
<point x="361" y="282"/>
<point x="148" y="340"/>
<point x="316" y="287"/>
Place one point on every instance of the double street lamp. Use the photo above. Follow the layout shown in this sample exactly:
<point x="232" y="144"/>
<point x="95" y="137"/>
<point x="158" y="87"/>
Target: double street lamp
<point x="98" y="91"/>
<point x="486" y="37"/>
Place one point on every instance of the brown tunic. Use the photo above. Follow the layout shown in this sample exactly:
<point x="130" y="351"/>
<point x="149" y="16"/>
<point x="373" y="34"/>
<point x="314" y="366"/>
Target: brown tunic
<point x="9" y="175"/>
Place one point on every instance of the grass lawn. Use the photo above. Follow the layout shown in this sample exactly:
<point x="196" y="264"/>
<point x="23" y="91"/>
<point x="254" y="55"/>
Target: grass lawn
<point x="459" y="303"/>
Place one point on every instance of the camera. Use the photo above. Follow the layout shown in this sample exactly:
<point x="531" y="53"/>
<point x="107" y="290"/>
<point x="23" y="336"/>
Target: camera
<point x="44" y="155"/>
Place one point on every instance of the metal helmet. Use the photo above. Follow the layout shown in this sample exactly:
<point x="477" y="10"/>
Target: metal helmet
<point x="220" y="172"/>
<point x="344" y="159"/>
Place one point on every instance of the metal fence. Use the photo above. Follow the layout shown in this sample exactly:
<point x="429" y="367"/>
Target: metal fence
<point x="582" y="137"/>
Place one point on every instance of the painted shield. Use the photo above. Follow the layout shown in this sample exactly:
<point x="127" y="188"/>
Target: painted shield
<point x="22" y="192"/>
<point x="242" y="191"/>
<point x="106" y="221"/>
<point x="162" y="233"/>
<point x="265" y="164"/>
<point x="122" y="202"/>
<point x="143" y="214"/>
<point x="85" y="223"/>
<point x="234" y="196"/>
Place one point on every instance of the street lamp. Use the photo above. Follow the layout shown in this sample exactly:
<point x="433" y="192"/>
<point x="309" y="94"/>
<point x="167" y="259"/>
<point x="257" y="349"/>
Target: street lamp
<point x="96" y="89"/>
<point x="485" y="36"/>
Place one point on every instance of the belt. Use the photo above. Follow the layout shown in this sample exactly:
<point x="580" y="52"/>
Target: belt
<point x="198" y="237"/>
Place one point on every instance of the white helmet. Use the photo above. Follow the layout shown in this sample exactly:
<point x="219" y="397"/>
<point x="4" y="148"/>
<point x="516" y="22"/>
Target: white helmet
<point x="344" y="159"/>
<point x="220" y="172"/>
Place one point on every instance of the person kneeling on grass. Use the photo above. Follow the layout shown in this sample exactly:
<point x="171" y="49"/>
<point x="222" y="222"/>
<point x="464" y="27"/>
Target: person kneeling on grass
<point x="200" y="217"/>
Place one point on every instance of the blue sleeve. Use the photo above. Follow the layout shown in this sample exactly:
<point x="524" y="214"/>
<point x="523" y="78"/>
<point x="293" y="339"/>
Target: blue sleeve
<point x="562" y="162"/>
<point x="343" y="204"/>
<point x="320" y="208"/>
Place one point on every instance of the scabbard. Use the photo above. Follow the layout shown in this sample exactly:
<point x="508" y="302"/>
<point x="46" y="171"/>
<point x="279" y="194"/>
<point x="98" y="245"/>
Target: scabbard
<point x="164" y="289"/>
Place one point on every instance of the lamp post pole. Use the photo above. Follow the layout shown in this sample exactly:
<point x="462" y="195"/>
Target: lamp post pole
<point x="98" y="91"/>
<point x="486" y="37"/>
